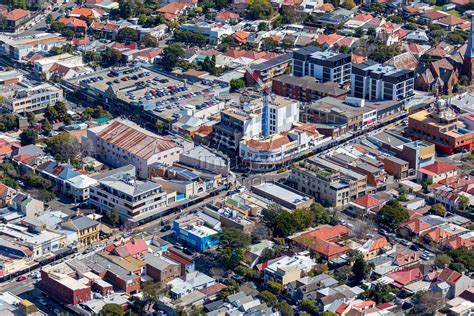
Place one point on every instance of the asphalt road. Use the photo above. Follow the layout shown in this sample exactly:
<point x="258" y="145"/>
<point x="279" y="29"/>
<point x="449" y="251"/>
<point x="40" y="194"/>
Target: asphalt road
<point x="41" y="25"/>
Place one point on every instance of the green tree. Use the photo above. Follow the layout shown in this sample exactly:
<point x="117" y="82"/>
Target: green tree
<point x="382" y="53"/>
<point x="209" y="65"/>
<point x="246" y="272"/>
<point x="160" y="126"/>
<point x="64" y="147"/>
<point x="110" y="57"/>
<point x="227" y="42"/>
<point x="269" y="44"/>
<point x="259" y="10"/>
<point x="111" y="309"/>
<point x="47" y="196"/>
<point x="8" y="122"/>
<point x="61" y="109"/>
<point x="31" y="117"/>
<point x="150" y="41"/>
<point x="114" y="216"/>
<point x="463" y="202"/>
<point x="442" y="260"/>
<point x="269" y="298"/>
<point x="3" y="22"/>
<point x="396" y="19"/>
<point x="262" y="26"/>
<point x="344" y="49"/>
<point x="309" y="306"/>
<point x="360" y="269"/>
<point x="303" y="218"/>
<point x="392" y="214"/>
<point x="151" y="292"/>
<point x="438" y="209"/>
<point x="236" y="84"/>
<point x="50" y="113"/>
<point x="348" y="4"/>
<point x="127" y="34"/>
<point x="285" y="309"/>
<point x="171" y="55"/>
<point x="274" y="287"/>
<point x="49" y="18"/>
<point x="28" y="137"/>
<point x="234" y="243"/>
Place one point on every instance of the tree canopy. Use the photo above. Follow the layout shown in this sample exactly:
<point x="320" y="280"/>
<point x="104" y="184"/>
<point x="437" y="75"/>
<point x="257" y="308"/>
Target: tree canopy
<point x="259" y="10"/>
<point x="171" y="55"/>
<point x="392" y="214"/>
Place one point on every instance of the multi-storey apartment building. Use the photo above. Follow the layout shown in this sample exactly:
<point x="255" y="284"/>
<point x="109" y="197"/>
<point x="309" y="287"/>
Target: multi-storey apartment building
<point x="306" y="89"/>
<point x="328" y="186"/>
<point x="375" y="82"/>
<point x="33" y="99"/>
<point x="270" y="69"/>
<point x="135" y="201"/>
<point x="234" y="125"/>
<point x="324" y="66"/>
<point x="18" y="47"/>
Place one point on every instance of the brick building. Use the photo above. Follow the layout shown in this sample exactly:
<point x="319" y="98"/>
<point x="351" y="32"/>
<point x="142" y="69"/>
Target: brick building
<point x="63" y="287"/>
<point x="306" y="88"/>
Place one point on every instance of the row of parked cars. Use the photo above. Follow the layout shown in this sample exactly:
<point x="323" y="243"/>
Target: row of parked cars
<point x="92" y="79"/>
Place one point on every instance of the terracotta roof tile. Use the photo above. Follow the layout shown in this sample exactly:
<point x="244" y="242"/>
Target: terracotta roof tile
<point x="17" y="14"/>
<point x="437" y="168"/>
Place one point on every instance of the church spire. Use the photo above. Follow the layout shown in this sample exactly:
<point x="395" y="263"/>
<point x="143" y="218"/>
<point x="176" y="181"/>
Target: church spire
<point x="470" y="41"/>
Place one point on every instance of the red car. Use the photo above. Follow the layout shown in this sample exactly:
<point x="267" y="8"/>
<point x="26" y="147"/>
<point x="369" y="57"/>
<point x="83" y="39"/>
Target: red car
<point x="21" y="278"/>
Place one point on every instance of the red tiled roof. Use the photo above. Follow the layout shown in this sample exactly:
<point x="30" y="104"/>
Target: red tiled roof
<point x="449" y="276"/>
<point x="104" y="26"/>
<point x="81" y="41"/>
<point x="73" y="22"/>
<point x="241" y="36"/>
<point x="405" y="277"/>
<point x="451" y="20"/>
<point x="330" y="39"/>
<point x="357" y="59"/>
<point x="456" y="242"/>
<point x="17" y="14"/>
<point x="226" y="15"/>
<point x="213" y="289"/>
<point x="320" y="239"/>
<point x="172" y="8"/>
<point x="437" y="168"/>
<point x="363" y="17"/>
<point x="367" y="201"/>
<point x="327" y="7"/>
<point x="416" y="225"/>
<point x="437" y="234"/>
<point x="434" y="15"/>
<point x="235" y="53"/>
<point x="131" y="248"/>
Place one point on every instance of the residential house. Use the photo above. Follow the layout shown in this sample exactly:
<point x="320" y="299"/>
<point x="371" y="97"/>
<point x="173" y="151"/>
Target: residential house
<point x="366" y="205"/>
<point x="172" y="11"/>
<point x="27" y="205"/>
<point x="288" y="269"/>
<point x="76" y="25"/>
<point x="436" y="172"/>
<point x="16" y="18"/>
<point x="325" y="240"/>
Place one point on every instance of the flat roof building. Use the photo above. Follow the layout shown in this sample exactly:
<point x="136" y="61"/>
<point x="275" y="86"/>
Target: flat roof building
<point x="285" y="196"/>
<point x="375" y="82"/>
<point x="322" y="65"/>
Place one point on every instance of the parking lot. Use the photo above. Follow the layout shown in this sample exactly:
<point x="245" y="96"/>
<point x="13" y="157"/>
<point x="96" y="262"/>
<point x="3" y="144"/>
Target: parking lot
<point x="162" y="94"/>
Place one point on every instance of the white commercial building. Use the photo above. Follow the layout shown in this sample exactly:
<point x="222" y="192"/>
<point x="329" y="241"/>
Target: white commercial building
<point x="33" y="99"/>
<point x="278" y="149"/>
<point x="136" y="201"/>
<point x="123" y="142"/>
<point x="17" y="48"/>
<point x="215" y="31"/>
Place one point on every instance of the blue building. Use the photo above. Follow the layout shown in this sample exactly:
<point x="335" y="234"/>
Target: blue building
<point x="196" y="233"/>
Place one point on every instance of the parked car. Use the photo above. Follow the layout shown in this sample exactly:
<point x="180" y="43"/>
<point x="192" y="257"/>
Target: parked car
<point x="165" y="228"/>
<point x="21" y="278"/>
